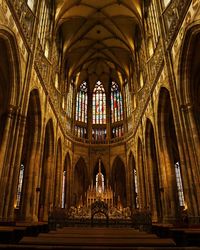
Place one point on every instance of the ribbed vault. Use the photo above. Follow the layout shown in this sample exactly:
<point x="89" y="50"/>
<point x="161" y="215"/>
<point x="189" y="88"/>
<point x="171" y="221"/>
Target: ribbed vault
<point x="99" y="37"/>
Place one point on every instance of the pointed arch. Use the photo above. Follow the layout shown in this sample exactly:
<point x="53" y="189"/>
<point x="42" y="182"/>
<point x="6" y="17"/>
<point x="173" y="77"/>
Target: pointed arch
<point x="45" y="202"/>
<point x="153" y="172"/>
<point x="26" y="183"/>
<point x="170" y="152"/>
<point x="189" y="91"/>
<point x="80" y="184"/>
<point x="118" y="183"/>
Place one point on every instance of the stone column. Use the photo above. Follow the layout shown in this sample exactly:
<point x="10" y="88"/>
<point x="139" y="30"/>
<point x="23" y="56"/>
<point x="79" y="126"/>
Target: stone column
<point x="6" y="159"/>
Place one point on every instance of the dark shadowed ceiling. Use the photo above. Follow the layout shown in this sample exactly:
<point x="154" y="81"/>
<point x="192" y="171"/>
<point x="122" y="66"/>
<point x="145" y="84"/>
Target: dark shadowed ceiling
<point x="98" y="37"/>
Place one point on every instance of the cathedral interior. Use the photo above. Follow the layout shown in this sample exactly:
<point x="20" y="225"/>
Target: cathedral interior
<point x="100" y="114"/>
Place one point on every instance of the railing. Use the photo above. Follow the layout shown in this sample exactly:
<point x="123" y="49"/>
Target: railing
<point x="173" y="17"/>
<point x="25" y="17"/>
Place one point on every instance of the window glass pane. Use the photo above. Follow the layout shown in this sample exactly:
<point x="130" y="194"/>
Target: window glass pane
<point x="116" y="103"/>
<point x="81" y="103"/>
<point x="99" y="104"/>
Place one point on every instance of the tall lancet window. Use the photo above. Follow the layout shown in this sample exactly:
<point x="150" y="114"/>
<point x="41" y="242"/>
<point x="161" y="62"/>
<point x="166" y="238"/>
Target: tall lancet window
<point x="136" y="188"/>
<point x="63" y="189"/>
<point x="116" y="103"/>
<point x="99" y="104"/>
<point x="128" y="100"/>
<point x="19" y="187"/>
<point x="179" y="184"/>
<point x="82" y="103"/>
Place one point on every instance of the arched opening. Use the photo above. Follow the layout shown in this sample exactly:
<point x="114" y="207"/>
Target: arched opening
<point x="119" y="183"/>
<point x="134" y="182"/>
<point x="80" y="183"/>
<point x="141" y="176"/>
<point x="169" y="149"/>
<point x="189" y="90"/>
<point x="5" y="86"/>
<point x="26" y="191"/>
<point x="152" y="165"/>
<point x="9" y="99"/>
<point x="58" y="175"/>
<point x="45" y="202"/>
<point x="66" y="180"/>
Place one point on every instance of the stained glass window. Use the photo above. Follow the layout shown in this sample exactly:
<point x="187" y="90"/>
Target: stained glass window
<point x="82" y="103"/>
<point x="136" y="187"/>
<point x="116" y="103"/>
<point x="63" y="189"/>
<point x="99" y="104"/>
<point x="19" y="187"/>
<point x="80" y="132"/>
<point x="179" y="184"/>
<point x="128" y="100"/>
<point x="69" y="101"/>
<point x="117" y="131"/>
<point x="99" y="134"/>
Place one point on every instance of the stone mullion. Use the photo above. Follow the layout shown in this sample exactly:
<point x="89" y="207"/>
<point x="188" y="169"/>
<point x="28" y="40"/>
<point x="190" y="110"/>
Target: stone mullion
<point x="5" y="154"/>
<point x="188" y="186"/>
<point x="90" y="114"/>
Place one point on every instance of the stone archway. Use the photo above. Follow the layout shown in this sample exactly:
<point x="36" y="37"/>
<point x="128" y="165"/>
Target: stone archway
<point x="80" y="184"/>
<point x="153" y="171"/>
<point x="189" y="92"/>
<point x="170" y="155"/>
<point x="119" y="183"/>
<point x="9" y="100"/>
<point x="45" y="202"/>
<point x="30" y="148"/>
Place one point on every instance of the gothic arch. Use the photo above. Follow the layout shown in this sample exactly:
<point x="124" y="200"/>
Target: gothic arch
<point x="189" y="91"/>
<point x="10" y="90"/>
<point x="80" y="183"/>
<point x="118" y="182"/>
<point x="153" y="171"/>
<point x="169" y="152"/>
<point x="46" y="186"/>
<point x="10" y="65"/>
<point x="29" y="157"/>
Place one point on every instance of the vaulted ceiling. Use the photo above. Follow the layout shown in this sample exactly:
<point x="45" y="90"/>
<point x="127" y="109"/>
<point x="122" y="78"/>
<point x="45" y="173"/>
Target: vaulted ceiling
<point x="98" y="37"/>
